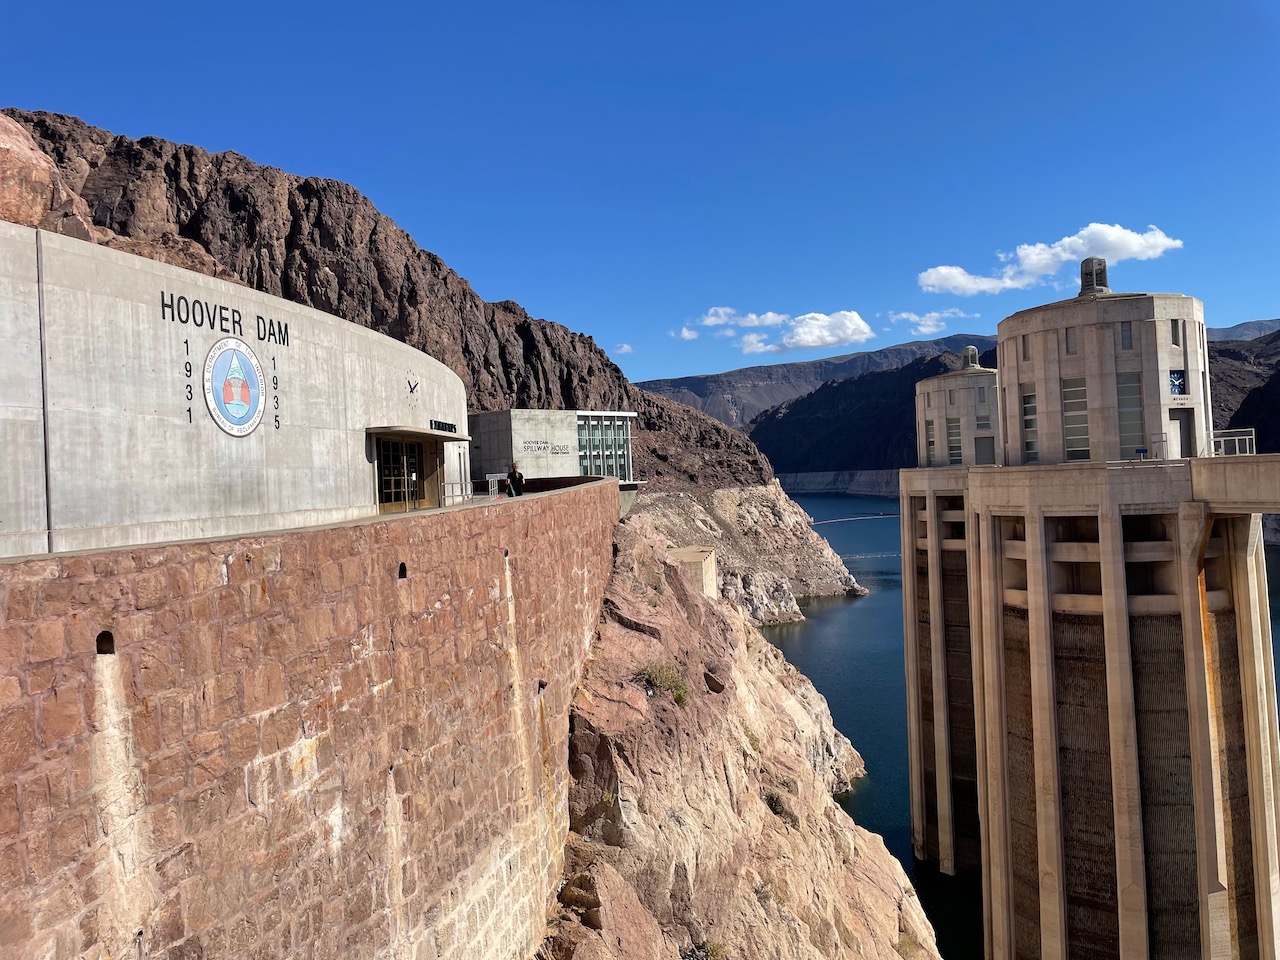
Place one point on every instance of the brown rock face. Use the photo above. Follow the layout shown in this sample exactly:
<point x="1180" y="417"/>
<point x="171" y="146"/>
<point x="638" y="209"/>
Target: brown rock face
<point x="767" y="554"/>
<point x="33" y="192"/>
<point x="703" y="767"/>
<point x="321" y="243"/>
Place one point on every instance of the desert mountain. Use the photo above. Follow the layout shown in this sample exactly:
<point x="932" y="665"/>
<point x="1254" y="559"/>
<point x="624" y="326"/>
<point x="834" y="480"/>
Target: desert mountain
<point x="321" y="243"/>
<point x="1249" y="330"/>
<point x="736" y="396"/>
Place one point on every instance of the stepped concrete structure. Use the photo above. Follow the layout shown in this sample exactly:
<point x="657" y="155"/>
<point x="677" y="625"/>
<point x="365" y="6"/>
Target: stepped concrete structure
<point x="1091" y="691"/>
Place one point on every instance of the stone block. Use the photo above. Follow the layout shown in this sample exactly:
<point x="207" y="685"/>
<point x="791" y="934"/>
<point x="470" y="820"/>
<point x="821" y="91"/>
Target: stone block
<point x="61" y="714"/>
<point x="21" y="601"/>
<point x="151" y="589"/>
<point x="10" y="692"/>
<point x="47" y="641"/>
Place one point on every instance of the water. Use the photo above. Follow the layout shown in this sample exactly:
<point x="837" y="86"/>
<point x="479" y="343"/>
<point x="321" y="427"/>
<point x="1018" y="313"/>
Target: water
<point x="852" y="651"/>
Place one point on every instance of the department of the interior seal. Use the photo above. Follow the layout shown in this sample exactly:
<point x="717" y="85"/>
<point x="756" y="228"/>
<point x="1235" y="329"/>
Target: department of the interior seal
<point x="233" y="387"/>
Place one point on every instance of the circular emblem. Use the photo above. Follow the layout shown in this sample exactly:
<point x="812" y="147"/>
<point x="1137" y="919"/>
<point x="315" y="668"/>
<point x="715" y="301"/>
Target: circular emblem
<point x="233" y="386"/>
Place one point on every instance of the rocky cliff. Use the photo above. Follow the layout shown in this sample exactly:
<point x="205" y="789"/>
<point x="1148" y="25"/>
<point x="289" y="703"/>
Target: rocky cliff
<point x="321" y="243"/>
<point x="701" y="812"/>
<point x="767" y="554"/>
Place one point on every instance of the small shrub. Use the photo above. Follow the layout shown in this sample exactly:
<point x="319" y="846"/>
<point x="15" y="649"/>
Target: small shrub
<point x="753" y="738"/>
<point x="665" y="675"/>
<point x="716" y="950"/>
<point x="607" y="798"/>
<point x="778" y="807"/>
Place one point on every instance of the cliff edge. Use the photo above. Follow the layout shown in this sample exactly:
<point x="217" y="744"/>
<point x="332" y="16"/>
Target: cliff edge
<point x="701" y="807"/>
<point x="767" y="554"/>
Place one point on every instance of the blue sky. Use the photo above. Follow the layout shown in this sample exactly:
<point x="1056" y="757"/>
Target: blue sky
<point x="715" y="185"/>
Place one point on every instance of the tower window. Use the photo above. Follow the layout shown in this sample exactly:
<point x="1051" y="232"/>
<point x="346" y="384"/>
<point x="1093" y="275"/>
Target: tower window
<point x="1075" y="419"/>
<point x="1126" y="335"/>
<point x="1030" y="433"/>
<point x="1129" y="414"/>
<point x="929" y="442"/>
<point x="1175" y="333"/>
<point x="1070" y="338"/>
<point x="953" y="440"/>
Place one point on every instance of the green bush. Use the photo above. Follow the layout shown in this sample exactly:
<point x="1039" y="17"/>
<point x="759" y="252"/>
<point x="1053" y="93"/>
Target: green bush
<point x="666" y="675"/>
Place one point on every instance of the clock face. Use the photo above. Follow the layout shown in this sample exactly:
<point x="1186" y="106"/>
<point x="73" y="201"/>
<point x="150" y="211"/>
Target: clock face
<point x="1177" y="383"/>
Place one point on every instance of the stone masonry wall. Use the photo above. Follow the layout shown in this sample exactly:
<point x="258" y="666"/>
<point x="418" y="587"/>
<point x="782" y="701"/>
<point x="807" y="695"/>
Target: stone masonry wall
<point x="293" y="751"/>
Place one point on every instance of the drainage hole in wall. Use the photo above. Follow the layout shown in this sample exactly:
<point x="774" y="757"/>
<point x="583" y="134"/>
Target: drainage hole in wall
<point x="404" y="571"/>
<point x="106" y="642"/>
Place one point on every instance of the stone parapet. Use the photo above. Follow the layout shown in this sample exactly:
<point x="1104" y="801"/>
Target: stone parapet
<point x="341" y="742"/>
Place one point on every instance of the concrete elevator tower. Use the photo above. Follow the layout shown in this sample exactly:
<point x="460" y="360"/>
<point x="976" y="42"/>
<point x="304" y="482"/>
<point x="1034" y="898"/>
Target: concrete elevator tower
<point x="1090" y="688"/>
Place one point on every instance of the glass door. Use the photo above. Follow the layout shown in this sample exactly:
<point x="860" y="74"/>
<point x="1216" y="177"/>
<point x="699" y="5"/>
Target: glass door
<point x="399" y="475"/>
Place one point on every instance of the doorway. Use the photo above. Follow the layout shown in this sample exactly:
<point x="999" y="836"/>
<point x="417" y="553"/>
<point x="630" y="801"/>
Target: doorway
<point x="408" y="474"/>
<point x="1181" y="444"/>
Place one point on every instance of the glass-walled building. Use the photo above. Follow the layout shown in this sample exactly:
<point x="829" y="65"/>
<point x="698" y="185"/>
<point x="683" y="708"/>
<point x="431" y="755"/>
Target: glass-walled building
<point x="604" y="444"/>
<point x="552" y="443"/>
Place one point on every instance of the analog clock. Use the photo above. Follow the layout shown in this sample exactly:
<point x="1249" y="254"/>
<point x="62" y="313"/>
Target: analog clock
<point x="1178" y="383"/>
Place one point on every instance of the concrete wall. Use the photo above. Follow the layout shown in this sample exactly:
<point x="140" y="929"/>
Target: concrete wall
<point x="134" y="453"/>
<point x="293" y="751"/>
<point x="543" y="442"/>
<point x="22" y="490"/>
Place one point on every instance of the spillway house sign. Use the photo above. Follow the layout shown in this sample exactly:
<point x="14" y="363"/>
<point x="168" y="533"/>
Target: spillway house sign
<point x="234" y="387"/>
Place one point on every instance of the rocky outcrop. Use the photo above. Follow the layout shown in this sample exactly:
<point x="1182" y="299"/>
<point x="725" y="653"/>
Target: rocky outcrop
<point x="321" y="243"/>
<point x="701" y="812"/>
<point x="767" y="554"/>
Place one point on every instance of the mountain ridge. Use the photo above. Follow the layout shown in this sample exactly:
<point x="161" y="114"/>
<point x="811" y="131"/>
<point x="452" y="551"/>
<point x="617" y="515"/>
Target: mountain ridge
<point x="736" y="396"/>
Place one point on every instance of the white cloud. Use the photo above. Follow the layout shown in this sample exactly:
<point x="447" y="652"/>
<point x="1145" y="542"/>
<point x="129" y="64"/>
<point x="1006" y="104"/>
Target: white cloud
<point x="723" y="316"/>
<point x="622" y="348"/>
<point x="807" y="331"/>
<point x="755" y="343"/>
<point x="935" y="321"/>
<point x="726" y="332"/>
<point x="1031" y="263"/>
<point x="826" y="330"/>
<point x="687" y="334"/>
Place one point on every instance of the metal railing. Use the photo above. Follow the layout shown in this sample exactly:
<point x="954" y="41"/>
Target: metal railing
<point x="1234" y="443"/>
<point x="451" y="493"/>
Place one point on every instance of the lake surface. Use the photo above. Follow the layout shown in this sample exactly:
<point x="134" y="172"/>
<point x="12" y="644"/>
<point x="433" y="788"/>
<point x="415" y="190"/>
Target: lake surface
<point x="852" y="651"/>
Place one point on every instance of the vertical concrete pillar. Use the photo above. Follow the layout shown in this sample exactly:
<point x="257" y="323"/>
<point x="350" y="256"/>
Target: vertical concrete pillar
<point x="1122" y="728"/>
<point x="1250" y="601"/>
<point x="1044" y="719"/>
<point x="910" y="625"/>
<point x="974" y="534"/>
<point x="992" y="729"/>
<point x="1271" y="717"/>
<point x="941" y="720"/>
<point x="1194" y="528"/>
